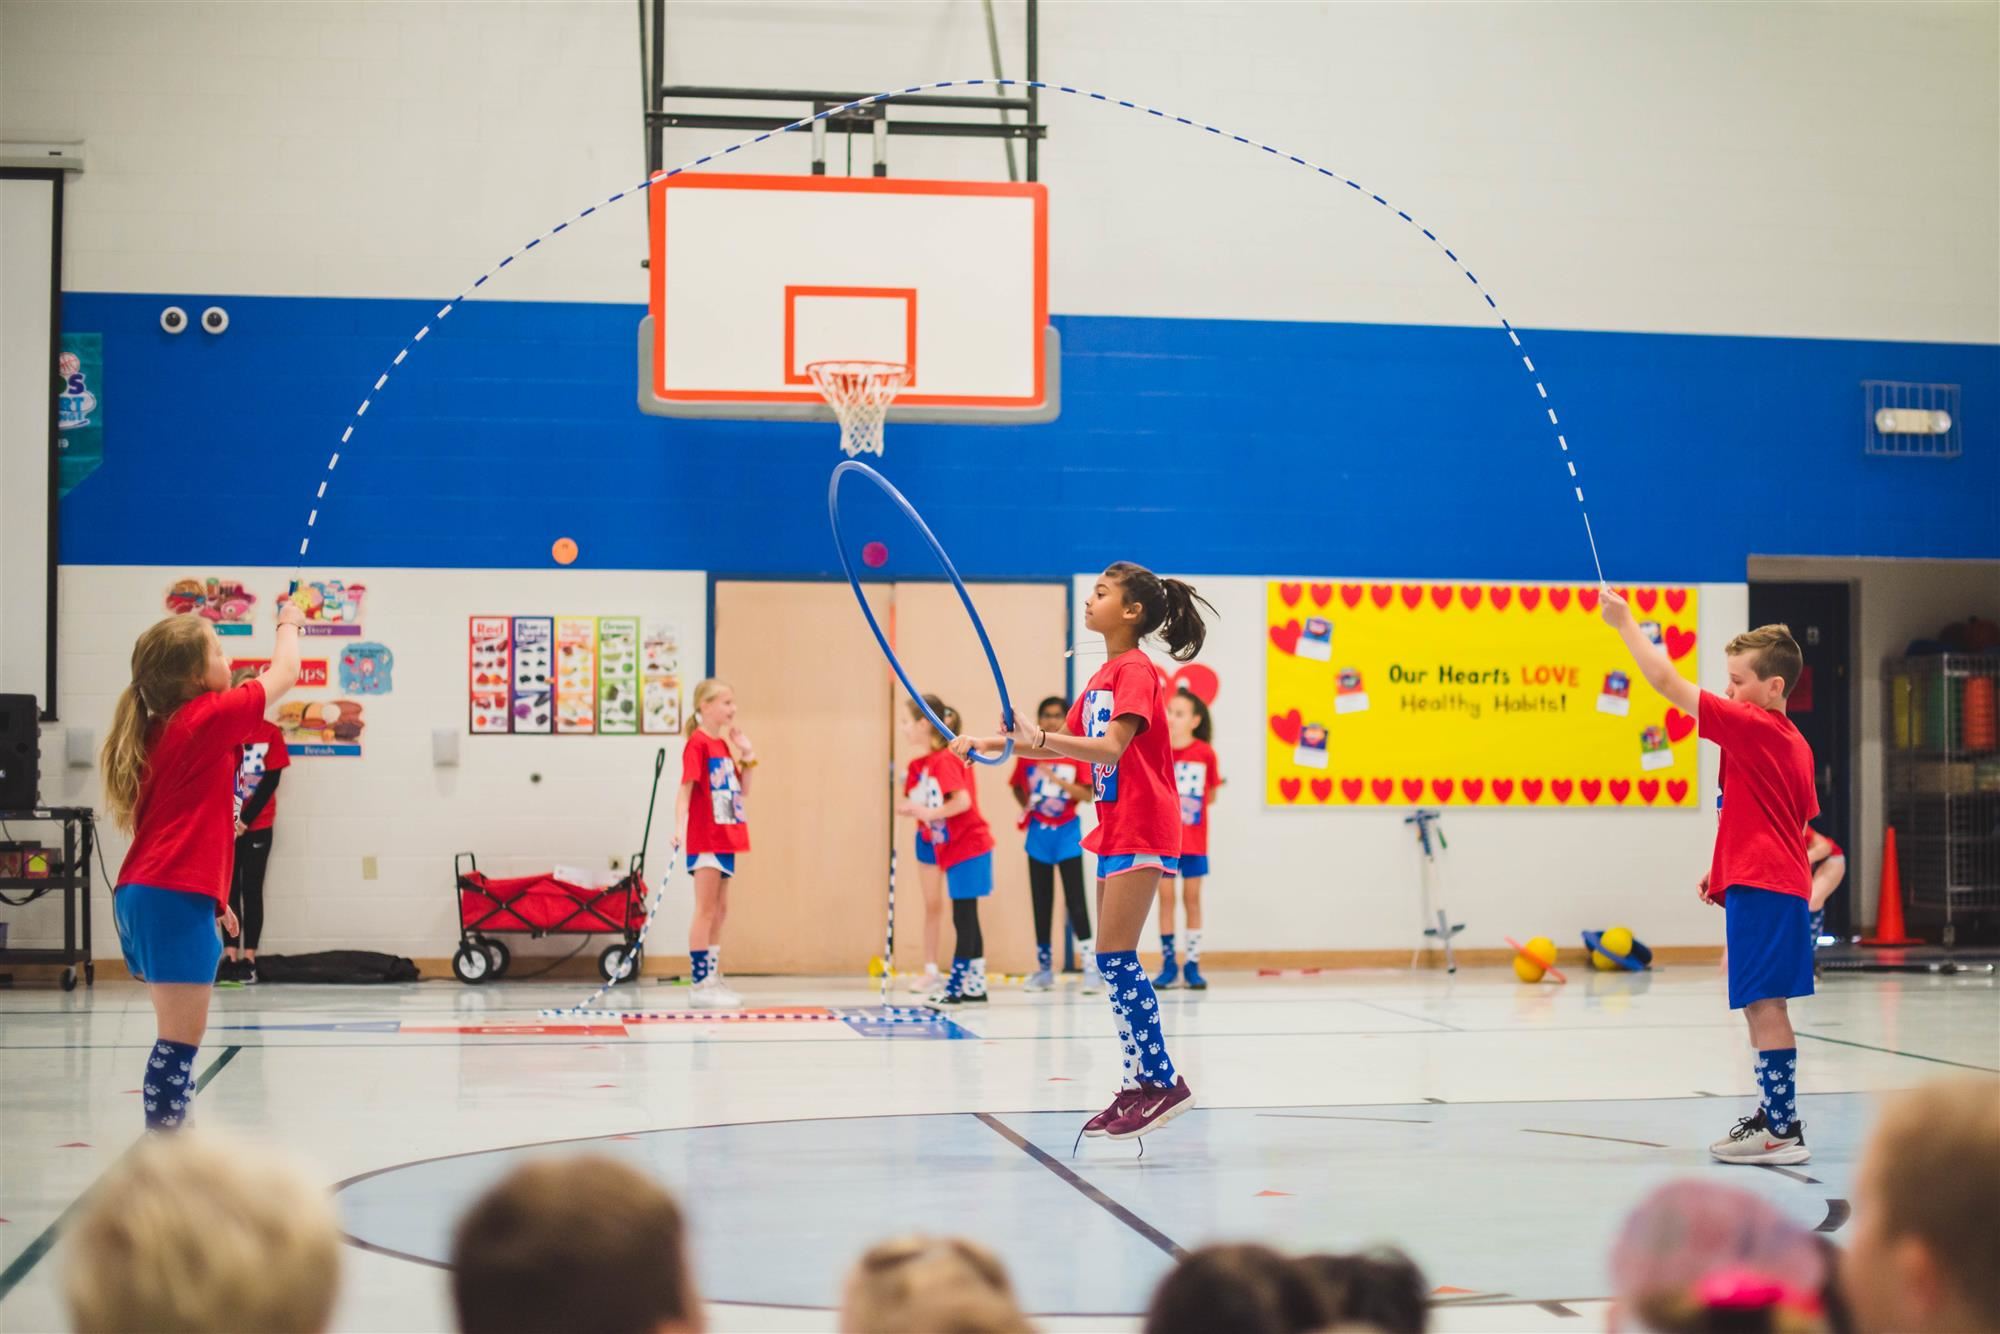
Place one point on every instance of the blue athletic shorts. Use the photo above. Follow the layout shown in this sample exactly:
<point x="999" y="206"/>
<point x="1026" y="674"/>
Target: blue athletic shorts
<point x="971" y="878"/>
<point x="1194" y="868"/>
<point x="926" y="854"/>
<point x="724" y="862"/>
<point x="1770" y="945"/>
<point x="1137" y="861"/>
<point x="1054" y="844"/>
<point x="168" y="935"/>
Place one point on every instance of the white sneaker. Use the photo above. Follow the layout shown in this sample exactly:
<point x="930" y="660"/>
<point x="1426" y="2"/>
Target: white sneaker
<point x="727" y="992"/>
<point x="1752" y="1142"/>
<point x="1092" y="979"/>
<point x="712" y="995"/>
<point x="926" y="983"/>
<point x="1042" y="980"/>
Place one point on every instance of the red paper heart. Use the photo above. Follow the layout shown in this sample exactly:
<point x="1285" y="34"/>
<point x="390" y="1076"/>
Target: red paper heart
<point x="1561" y="788"/>
<point x="1286" y="727"/>
<point x="1383" y="788"/>
<point x="1679" y="641"/>
<point x="1351" y="788"/>
<point x="1531" y="788"/>
<point x="1591" y="789"/>
<point x="1678" y="725"/>
<point x="1290" y="593"/>
<point x="1288" y="788"/>
<point x="1621" y="788"/>
<point x="1441" y="789"/>
<point x="1677" y="790"/>
<point x="1351" y="594"/>
<point x="1531" y="598"/>
<point x="1381" y="593"/>
<point x="1470" y="596"/>
<point x="1198" y="679"/>
<point x="1473" y="787"/>
<point x="1677" y="598"/>
<point x="1413" y="789"/>
<point x="1412" y="595"/>
<point x="1501" y="597"/>
<point x="1441" y="595"/>
<point x="1586" y="598"/>
<point x="1503" y="790"/>
<point x="1649" y="790"/>
<point x="1625" y="593"/>
<point x="1647" y="598"/>
<point x="1322" y="789"/>
<point x="1286" y="636"/>
<point x="1322" y="594"/>
<point x="1558" y="599"/>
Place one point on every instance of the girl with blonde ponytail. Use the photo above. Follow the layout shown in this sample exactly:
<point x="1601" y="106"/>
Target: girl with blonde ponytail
<point x="711" y="829"/>
<point x="170" y="781"/>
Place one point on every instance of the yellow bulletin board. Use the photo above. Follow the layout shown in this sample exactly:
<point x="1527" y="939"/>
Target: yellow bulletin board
<point x="1512" y="695"/>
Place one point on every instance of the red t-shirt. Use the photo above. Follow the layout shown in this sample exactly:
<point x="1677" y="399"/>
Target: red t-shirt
<point x="1048" y="804"/>
<point x="929" y="781"/>
<point x="1767" y="798"/>
<point x="1195" y="778"/>
<point x="1138" y="810"/>
<point x="264" y="753"/>
<point x="715" y="808"/>
<point x="184" y="823"/>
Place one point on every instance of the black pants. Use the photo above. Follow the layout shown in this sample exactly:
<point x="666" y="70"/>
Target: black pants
<point x="1042" y="885"/>
<point x="246" y="892"/>
<point x="965" y="920"/>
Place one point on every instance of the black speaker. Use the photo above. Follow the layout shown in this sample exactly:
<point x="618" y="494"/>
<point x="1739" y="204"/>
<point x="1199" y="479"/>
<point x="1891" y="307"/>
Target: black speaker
<point x="20" y="753"/>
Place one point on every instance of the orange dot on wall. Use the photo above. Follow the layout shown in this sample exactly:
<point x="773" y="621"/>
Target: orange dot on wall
<point x="564" y="551"/>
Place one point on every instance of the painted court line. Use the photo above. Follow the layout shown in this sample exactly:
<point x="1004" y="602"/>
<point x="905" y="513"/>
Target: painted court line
<point x="1609" y="1139"/>
<point x="1088" y="1191"/>
<point x="1891" y="1051"/>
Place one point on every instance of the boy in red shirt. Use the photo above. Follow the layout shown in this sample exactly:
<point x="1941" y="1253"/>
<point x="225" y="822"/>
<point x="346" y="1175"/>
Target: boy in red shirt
<point x="1759" y="873"/>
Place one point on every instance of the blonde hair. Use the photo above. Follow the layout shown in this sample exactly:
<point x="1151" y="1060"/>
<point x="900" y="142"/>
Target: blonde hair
<point x="704" y="691"/>
<point x="944" y="711"/>
<point x="188" y="1236"/>
<point x="930" y="1285"/>
<point x="1773" y="653"/>
<point x="1935" y="1155"/>
<point x="168" y="663"/>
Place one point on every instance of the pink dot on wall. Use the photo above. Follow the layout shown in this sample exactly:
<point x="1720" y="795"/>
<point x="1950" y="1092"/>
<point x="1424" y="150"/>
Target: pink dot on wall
<point x="874" y="555"/>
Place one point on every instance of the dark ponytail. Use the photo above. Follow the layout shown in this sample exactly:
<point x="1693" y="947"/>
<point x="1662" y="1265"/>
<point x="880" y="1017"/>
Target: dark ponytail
<point x="1204" y="726"/>
<point x="1169" y="608"/>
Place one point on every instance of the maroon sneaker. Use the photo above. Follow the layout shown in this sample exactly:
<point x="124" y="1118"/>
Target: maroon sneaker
<point x="1096" y="1124"/>
<point x="1150" y="1109"/>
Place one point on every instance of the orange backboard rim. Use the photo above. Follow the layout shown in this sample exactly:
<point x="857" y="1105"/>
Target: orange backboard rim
<point x="661" y="189"/>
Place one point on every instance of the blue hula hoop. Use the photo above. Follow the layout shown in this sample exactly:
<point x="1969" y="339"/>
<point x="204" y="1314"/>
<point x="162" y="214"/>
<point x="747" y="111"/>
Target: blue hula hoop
<point x="937" y="549"/>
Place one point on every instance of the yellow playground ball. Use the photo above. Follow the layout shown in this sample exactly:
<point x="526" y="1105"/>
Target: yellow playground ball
<point x="1532" y="969"/>
<point x="1618" y="940"/>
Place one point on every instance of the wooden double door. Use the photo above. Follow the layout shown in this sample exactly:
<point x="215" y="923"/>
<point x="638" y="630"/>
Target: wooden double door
<point x="816" y="695"/>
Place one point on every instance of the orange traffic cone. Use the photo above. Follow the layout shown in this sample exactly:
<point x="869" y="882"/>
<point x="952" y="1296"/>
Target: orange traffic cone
<point x="1889" y="907"/>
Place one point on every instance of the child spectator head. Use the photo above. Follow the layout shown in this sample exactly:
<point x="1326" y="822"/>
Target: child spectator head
<point x="585" y="1245"/>
<point x="1247" y="1289"/>
<point x="1921" y="1255"/>
<point x="186" y="1235"/>
<point x="930" y="1285"/>
<point x="1380" y="1289"/>
<point x="1701" y="1258"/>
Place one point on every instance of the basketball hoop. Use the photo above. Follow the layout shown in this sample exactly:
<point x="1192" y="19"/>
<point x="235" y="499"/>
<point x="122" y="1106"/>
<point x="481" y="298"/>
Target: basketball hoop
<point x="860" y="392"/>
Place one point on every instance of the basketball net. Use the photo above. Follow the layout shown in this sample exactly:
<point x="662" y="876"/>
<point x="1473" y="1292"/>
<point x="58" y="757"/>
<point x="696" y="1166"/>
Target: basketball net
<point x="860" y="393"/>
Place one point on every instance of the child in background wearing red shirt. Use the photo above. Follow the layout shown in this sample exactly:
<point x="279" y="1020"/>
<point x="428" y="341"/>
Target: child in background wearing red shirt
<point x="1196" y="778"/>
<point x="942" y="799"/>
<point x="1759" y="873"/>
<point x="709" y="820"/>
<point x="265" y="757"/>
<point x="169" y="775"/>
<point x="1049" y="792"/>
<point x="1119" y="724"/>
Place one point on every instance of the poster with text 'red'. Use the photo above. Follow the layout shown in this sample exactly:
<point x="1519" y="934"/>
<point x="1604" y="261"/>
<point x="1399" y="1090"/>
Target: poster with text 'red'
<point x="576" y="674"/>
<point x="490" y="671"/>
<point x="617" y="675"/>
<point x="660" y="670"/>
<point x="1461" y="694"/>
<point x="534" y="675"/>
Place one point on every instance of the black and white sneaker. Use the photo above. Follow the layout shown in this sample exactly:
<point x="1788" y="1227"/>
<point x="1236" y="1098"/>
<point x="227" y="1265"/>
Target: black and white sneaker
<point x="1755" y="1143"/>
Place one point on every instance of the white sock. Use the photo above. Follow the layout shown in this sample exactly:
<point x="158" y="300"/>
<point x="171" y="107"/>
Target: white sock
<point x="1192" y="937"/>
<point x="715" y="962"/>
<point x="975" y="977"/>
